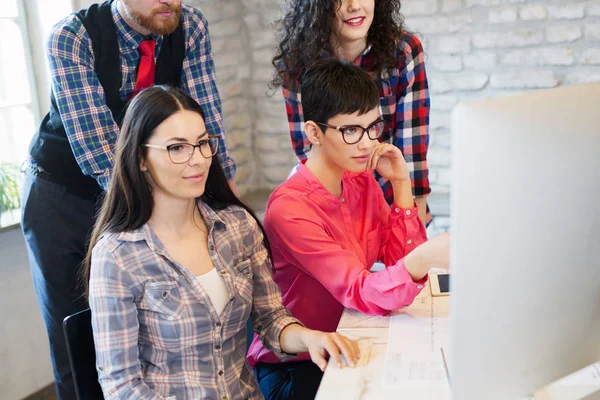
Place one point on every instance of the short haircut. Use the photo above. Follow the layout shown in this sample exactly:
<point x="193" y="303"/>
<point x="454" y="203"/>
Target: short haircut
<point x="331" y="87"/>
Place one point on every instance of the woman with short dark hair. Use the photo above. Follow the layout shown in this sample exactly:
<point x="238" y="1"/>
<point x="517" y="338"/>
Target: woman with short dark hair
<point x="329" y="223"/>
<point x="371" y="35"/>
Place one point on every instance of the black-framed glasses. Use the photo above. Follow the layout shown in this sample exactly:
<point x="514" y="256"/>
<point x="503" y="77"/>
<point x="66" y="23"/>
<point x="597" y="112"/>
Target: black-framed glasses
<point x="180" y="153"/>
<point x="353" y="134"/>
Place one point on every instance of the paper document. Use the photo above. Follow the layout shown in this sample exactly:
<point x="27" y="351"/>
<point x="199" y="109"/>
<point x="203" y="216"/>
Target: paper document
<point x="353" y="319"/>
<point x="415" y="369"/>
<point x="417" y="333"/>
<point x="373" y="335"/>
<point x="417" y="328"/>
<point x="364" y="347"/>
<point x="346" y="383"/>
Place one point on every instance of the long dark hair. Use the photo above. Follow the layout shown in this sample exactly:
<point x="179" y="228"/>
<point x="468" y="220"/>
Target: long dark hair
<point x="305" y="29"/>
<point x="128" y="203"/>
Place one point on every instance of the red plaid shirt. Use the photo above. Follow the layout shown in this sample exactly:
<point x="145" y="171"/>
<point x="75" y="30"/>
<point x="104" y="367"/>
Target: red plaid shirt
<point x="404" y="105"/>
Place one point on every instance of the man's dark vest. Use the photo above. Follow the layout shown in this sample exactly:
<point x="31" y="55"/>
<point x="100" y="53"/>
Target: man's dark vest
<point x="50" y="147"/>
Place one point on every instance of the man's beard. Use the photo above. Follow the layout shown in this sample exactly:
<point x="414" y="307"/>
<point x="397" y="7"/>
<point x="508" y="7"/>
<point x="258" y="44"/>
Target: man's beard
<point x="149" y="22"/>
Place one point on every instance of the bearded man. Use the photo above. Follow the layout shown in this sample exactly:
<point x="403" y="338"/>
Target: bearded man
<point x="100" y="58"/>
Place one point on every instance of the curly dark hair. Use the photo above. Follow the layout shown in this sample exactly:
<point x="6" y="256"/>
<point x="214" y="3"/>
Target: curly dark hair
<point x="305" y="28"/>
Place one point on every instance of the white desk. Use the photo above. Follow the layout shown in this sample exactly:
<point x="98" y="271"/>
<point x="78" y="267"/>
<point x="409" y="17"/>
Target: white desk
<point x="366" y="382"/>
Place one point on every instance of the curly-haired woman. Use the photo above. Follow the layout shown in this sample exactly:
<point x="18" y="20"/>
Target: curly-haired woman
<point x="369" y="34"/>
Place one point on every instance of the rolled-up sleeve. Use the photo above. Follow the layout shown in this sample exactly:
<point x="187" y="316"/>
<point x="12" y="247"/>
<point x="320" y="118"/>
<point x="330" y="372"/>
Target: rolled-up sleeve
<point x="402" y="229"/>
<point x="81" y="101"/>
<point x="412" y="115"/>
<point x="303" y="242"/>
<point x="295" y="115"/>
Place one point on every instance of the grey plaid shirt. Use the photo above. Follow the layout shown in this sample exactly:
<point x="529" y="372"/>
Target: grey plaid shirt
<point x="156" y="332"/>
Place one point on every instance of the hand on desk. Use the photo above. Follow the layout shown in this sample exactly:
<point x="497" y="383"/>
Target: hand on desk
<point x="434" y="253"/>
<point x="321" y="343"/>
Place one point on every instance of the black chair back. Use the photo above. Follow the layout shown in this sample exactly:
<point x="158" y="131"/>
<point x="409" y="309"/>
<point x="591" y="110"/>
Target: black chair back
<point x="82" y="355"/>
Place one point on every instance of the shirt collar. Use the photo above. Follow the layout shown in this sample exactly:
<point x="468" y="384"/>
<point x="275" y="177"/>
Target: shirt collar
<point x="367" y="50"/>
<point x="131" y="37"/>
<point x="324" y="54"/>
<point x="316" y="186"/>
<point x="360" y="58"/>
<point x="211" y="217"/>
<point x="143" y="233"/>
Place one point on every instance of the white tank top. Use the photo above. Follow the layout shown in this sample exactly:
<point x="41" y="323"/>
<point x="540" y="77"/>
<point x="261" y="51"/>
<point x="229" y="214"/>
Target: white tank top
<point x="215" y="287"/>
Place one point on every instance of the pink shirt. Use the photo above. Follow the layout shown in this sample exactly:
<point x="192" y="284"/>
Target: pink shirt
<point x="323" y="247"/>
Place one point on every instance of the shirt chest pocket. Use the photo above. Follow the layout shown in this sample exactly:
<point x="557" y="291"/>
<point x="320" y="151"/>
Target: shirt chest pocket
<point x="244" y="280"/>
<point x="387" y="109"/>
<point x="162" y="300"/>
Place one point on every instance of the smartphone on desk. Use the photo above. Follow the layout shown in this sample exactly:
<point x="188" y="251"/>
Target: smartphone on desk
<point x="439" y="284"/>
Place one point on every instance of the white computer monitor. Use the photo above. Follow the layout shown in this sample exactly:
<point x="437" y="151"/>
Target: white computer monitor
<point x="525" y="247"/>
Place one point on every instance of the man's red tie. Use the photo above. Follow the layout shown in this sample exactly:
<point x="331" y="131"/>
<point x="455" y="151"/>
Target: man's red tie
<point x="145" y="75"/>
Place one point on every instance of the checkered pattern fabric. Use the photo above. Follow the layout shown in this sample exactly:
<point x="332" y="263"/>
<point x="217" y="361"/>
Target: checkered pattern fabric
<point x="156" y="332"/>
<point x="81" y="100"/>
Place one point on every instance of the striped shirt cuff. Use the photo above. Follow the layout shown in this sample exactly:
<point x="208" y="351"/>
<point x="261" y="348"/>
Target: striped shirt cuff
<point x="103" y="180"/>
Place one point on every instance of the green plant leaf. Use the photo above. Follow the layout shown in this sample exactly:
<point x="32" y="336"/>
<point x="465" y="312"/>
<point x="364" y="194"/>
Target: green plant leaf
<point x="9" y="187"/>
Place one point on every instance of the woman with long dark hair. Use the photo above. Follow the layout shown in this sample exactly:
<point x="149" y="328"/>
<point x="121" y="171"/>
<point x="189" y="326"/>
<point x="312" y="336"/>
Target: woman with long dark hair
<point x="370" y="34"/>
<point x="177" y="264"/>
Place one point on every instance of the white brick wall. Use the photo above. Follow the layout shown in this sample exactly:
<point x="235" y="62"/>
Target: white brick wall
<point x="255" y="124"/>
<point x="232" y="51"/>
<point x="505" y="46"/>
<point x="474" y="48"/>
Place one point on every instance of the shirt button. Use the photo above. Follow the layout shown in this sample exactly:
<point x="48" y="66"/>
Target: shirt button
<point x="100" y="369"/>
<point x="225" y="397"/>
<point x="407" y="212"/>
<point x="342" y="199"/>
<point x="221" y="373"/>
<point x="218" y="347"/>
<point x="419" y="286"/>
<point x="218" y="324"/>
<point x="397" y="210"/>
<point x="223" y="272"/>
<point x="409" y="241"/>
